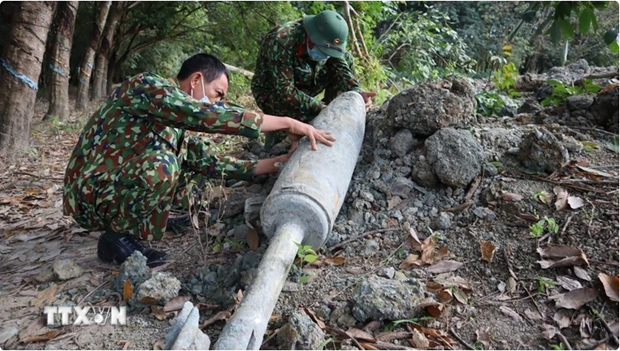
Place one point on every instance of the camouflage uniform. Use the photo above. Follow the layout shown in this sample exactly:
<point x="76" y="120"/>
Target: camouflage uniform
<point x="287" y="80"/>
<point x="134" y="159"/>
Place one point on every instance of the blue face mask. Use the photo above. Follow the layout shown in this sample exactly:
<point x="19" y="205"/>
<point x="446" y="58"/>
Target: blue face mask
<point x="317" y="55"/>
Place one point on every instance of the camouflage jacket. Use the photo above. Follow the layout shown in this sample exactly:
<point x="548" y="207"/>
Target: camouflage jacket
<point x="285" y="74"/>
<point x="150" y="114"/>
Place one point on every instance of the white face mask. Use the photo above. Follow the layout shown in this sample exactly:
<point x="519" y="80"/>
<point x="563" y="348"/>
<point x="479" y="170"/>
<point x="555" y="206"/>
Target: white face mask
<point x="204" y="95"/>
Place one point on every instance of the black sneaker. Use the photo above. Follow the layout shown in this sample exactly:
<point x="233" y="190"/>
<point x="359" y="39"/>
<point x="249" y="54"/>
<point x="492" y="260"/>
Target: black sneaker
<point x="114" y="247"/>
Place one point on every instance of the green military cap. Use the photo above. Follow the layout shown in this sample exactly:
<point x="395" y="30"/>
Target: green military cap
<point x="328" y="31"/>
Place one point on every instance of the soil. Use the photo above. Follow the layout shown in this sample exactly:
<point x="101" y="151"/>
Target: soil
<point x="35" y="234"/>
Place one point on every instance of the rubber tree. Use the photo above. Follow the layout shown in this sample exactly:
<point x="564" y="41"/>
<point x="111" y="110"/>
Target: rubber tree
<point x="20" y="63"/>
<point x="62" y="27"/>
<point x="103" y="54"/>
<point x="87" y="65"/>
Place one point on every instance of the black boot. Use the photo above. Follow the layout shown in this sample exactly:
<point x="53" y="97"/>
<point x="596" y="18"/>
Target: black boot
<point x="115" y="247"/>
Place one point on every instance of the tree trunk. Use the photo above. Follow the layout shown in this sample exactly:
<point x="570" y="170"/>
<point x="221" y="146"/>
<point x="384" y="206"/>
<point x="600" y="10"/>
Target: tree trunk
<point x="21" y="66"/>
<point x="87" y="64"/>
<point x="101" y="68"/>
<point x="63" y="26"/>
<point x="110" y="73"/>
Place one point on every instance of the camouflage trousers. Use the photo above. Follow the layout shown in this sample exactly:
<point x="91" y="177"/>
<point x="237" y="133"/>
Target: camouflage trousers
<point x="136" y="197"/>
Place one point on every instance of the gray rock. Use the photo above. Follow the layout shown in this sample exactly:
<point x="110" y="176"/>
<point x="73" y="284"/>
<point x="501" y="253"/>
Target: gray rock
<point x="67" y="269"/>
<point x="240" y="232"/>
<point x="367" y="196"/>
<point x="580" y="102"/>
<point x="455" y="156"/>
<point x="428" y="107"/>
<point x="135" y="269"/>
<point x="568" y="74"/>
<point x="386" y="299"/>
<point x="500" y="138"/>
<point x="216" y="229"/>
<point x="530" y="106"/>
<point x="402" y="142"/>
<point x="300" y="333"/>
<point x="484" y="213"/>
<point x="160" y="288"/>
<point x="423" y="173"/>
<point x="490" y="170"/>
<point x="387" y="272"/>
<point x="47" y="274"/>
<point x="443" y="222"/>
<point x="605" y="109"/>
<point x="184" y="333"/>
<point x="7" y="333"/>
<point x="401" y="187"/>
<point x="370" y="248"/>
<point x="542" y="151"/>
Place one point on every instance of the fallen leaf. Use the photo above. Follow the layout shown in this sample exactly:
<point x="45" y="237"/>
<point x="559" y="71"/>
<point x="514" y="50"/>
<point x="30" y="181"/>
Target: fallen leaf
<point x="511" y="285"/>
<point x="544" y="197"/>
<point x="46" y="295"/>
<point x="176" y="304"/>
<point x="460" y="296"/>
<point x="561" y="198"/>
<point x="414" y="240"/>
<point x="393" y="202"/>
<point x="569" y="261"/>
<point x="32" y="328"/>
<point x="127" y="290"/>
<point x="585" y="327"/>
<point x="159" y="345"/>
<point x="610" y="283"/>
<point x="511" y="197"/>
<point x="535" y="316"/>
<point x="575" y="202"/>
<point x="372" y="326"/>
<point x="582" y="273"/>
<point x="511" y="313"/>
<point x="562" y="318"/>
<point x="576" y="298"/>
<point x="336" y="261"/>
<point x="43" y="337"/>
<point x="569" y="256"/>
<point x="158" y="312"/>
<point x="449" y="279"/>
<point x="445" y="296"/>
<point x="360" y="335"/>
<point x="389" y="336"/>
<point x="568" y="283"/>
<point x="368" y="346"/>
<point x="548" y="332"/>
<point x="195" y="222"/>
<point x="409" y="261"/>
<point x="595" y="172"/>
<point x="487" y="249"/>
<point x="484" y="337"/>
<point x="316" y="319"/>
<point x="252" y="239"/>
<point x="354" y="270"/>
<point x="432" y="286"/>
<point x="444" y="267"/>
<point x="419" y="340"/>
<point x="221" y="315"/>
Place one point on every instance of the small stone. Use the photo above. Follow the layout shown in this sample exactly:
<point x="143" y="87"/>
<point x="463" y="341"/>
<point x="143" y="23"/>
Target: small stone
<point x="455" y="156"/>
<point x="375" y="175"/>
<point x="387" y="272"/>
<point x="135" y="269"/>
<point x="240" y="232"/>
<point x="160" y="288"/>
<point x="501" y="287"/>
<point x="7" y="333"/>
<point x="541" y="150"/>
<point x="402" y="142"/>
<point x="401" y="187"/>
<point x="443" y="222"/>
<point x="367" y="196"/>
<point x="300" y="333"/>
<point x="67" y="269"/>
<point x="215" y="229"/>
<point x="386" y="299"/>
<point x="370" y="248"/>
<point x="47" y="274"/>
<point x="400" y="276"/>
<point x="484" y="213"/>
<point x="580" y="102"/>
<point x="290" y="286"/>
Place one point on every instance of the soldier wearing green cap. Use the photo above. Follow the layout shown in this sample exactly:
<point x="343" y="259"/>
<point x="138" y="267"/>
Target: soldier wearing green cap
<point x="300" y="59"/>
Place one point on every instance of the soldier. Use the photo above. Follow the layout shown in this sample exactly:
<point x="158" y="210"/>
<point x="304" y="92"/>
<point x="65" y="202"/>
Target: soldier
<point x="297" y="61"/>
<point x="134" y="159"/>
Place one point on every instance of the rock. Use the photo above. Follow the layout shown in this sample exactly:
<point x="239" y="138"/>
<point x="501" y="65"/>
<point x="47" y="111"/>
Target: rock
<point x="47" y="274"/>
<point x="484" y="213"/>
<point x="216" y="229"/>
<point x="367" y="196"/>
<point x="455" y="156"/>
<point x="542" y="151"/>
<point x="386" y="299"/>
<point x="67" y="269"/>
<point x="605" y="109"/>
<point x="387" y="272"/>
<point x="580" y="102"/>
<point x="530" y="106"/>
<point x="423" y="173"/>
<point x="568" y="74"/>
<point x="300" y="333"/>
<point x="251" y="212"/>
<point x="402" y="142"/>
<point x="341" y="316"/>
<point x="240" y="232"/>
<point x="184" y="333"/>
<point x="370" y="248"/>
<point x="160" y="288"/>
<point x="400" y="276"/>
<point x="401" y="187"/>
<point x="428" y="107"/>
<point x="500" y="138"/>
<point x="7" y="333"/>
<point x="508" y="111"/>
<point x="490" y="170"/>
<point x="134" y="268"/>
<point x="443" y="222"/>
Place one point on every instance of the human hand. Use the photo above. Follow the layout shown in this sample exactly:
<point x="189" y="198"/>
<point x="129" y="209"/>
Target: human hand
<point x="268" y="165"/>
<point x="298" y="130"/>
<point x="368" y="95"/>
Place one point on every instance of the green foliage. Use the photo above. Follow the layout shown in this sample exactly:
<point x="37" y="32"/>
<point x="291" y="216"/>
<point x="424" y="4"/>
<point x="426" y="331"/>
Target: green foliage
<point x="307" y="255"/>
<point x="612" y="144"/>
<point x="506" y="78"/>
<point x="561" y="346"/>
<point x="562" y="91"/>
<point x="544" y="283"/>
<point x="538" y="228"/>
<point x="490" y="103"/>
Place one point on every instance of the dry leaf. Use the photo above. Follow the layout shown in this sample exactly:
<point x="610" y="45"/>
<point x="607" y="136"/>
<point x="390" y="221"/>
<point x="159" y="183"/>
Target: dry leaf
<point x="460" y="296"/>
<point x="549" y="332"/>
<point x="444" y="296"/>
<point x="535" y="316"/>
<point x="575" y="202"/>
<point x="433" y="308"/>
<point x="195" y="222"/>
<point x="252" y="239"/>
<point x="360" y="335"/>
<point x="511" y="285"/>
<point x="176" y="304"/>
<point x="511" y="197"/>
<point x="511" y="313"/>
<point x="393" y="202"/>
<point x="419" y="340"/>
<point x="449" y="279"/>
<point x="559" y="251"/>
<point x="354" y="270"/>
<point x="582" y="274"/>
<point x="568" y="283"/>
<point x="158" y="312"/>
<point x="316" y="319"/>
<point x="544" y="197"/>
<point x="221" y="315"/>
<point x="409" y="261"/>
<point x="610" y="284"/>
<point x="46" y="295"/>
<point x="576" y="298"/>
<point x="444" y="267"/>
<point x="487" y="249"/>
<point x="585" y="327"/>
<point x="32" y="328"/>
<point x="432" y="286"/>
<point x="336" y="261"/>
<point x="372" y="326"/>
<point x="595" y="172"/>
<point x="127" y="290"/>
<point x="561" y="198"/>
<point x="368" y="346"/>
<point x="159" y="345"/>
<point x="567" y="262"/>
<point x="562" y="318"/>
<point x="43" y="337"/>
<point x="389" y="336"/>
<point x="483" y="337"/>
<point x="414" y="240"/>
